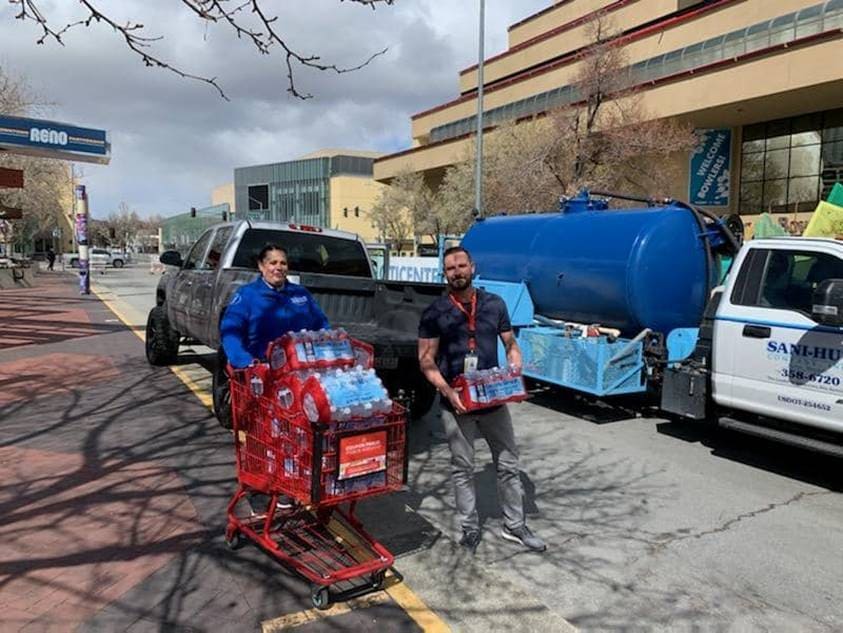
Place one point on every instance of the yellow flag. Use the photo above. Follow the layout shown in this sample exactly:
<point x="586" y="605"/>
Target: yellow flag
<point x="827" y="221"/>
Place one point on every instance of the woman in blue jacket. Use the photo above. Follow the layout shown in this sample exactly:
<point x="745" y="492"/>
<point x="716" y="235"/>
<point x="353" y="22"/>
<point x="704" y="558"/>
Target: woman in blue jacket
<point x="265" y="309"/>
<point x="259" y="313"/>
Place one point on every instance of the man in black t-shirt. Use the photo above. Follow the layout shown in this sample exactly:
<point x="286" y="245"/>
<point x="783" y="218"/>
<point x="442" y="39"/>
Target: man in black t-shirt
<point x="458" y="333"/>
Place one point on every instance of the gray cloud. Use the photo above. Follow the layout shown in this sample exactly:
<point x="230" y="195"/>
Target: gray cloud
<point x="174" y="139"/>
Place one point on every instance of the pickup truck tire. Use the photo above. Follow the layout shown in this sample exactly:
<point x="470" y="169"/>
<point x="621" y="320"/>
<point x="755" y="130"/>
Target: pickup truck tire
<point x="408" y="379"/>
<point x="118" y="263"/>
<point x="162" y="341"/>
<point x="423" y="397"/>
<point x="221" y="392"/>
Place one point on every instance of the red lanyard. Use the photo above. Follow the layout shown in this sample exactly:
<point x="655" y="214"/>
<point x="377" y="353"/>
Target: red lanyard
<point x="471" y="316"/>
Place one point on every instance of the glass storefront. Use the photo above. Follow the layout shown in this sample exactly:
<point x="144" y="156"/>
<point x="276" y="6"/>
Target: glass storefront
<point x="790" y="164"/>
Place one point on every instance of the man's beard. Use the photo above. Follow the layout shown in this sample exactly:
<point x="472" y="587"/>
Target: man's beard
<point x="460" y="283"/>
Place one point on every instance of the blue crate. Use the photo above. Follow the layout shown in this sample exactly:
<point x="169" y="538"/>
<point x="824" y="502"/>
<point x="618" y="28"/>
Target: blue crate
<point x="592" y="365"/>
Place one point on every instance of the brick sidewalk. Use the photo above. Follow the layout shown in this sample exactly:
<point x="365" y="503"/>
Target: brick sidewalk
<point x="114" y="480"/>
<point x="89" y="511"/>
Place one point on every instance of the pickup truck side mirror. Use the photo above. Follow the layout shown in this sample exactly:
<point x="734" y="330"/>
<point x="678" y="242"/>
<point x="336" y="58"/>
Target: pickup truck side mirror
<point x="828" y="302"/>
<point x="171" y="258"/>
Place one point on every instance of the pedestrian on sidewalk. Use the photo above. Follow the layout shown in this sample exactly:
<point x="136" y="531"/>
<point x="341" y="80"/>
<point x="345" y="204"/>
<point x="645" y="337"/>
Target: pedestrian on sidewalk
<point x="459" y="333"/>
<point x="51" y="258"/>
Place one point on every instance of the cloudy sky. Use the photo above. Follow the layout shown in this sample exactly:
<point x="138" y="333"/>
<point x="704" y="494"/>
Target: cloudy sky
<point x="174" y="139"/>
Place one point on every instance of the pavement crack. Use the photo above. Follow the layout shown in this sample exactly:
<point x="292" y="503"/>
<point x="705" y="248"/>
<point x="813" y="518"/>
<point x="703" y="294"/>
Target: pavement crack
<point x="671" y="538"/>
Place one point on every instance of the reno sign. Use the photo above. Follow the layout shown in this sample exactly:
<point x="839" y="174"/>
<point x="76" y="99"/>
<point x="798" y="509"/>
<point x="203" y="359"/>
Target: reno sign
<point x="48" y="136"/>
<point x="50" y="139"/>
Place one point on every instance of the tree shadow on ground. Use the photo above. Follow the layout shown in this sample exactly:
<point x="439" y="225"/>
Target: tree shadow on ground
<point x="132" y="480"/>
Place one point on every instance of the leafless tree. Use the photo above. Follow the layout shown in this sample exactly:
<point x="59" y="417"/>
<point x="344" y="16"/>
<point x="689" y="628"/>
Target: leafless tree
<point x="605" y="139"/>
<point x="247" y="19"/>
<point x="393" y="211"/>
<point x="48" y="182"/>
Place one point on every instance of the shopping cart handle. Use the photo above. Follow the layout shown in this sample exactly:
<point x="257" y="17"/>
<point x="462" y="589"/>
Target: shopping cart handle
<point x="236" y="373"/>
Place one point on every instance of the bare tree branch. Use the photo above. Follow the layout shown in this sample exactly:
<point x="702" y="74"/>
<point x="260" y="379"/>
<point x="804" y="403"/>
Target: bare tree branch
<point x="234" y="13"/>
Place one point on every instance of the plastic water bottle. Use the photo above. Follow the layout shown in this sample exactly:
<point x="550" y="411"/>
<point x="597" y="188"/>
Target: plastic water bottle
<point x="289" y="461"/>
<point x="256" y="384"/>
<point x="285" y="397"/>
<point x="311" y="411"/>
<point x="278" y="357"/>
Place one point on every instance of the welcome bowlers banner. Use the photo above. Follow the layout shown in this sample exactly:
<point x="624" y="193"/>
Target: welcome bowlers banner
<point x="710" y="168"/>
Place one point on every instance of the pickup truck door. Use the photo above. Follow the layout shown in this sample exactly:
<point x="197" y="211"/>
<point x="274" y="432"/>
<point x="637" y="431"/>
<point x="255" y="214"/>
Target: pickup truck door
<point x="204" y="283"/>
<point x="779" y="361"/>
<point x="180" y="295"/>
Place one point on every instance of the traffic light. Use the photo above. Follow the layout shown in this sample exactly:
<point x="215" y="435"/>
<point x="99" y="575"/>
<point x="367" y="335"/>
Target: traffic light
<point x="192" y="212"/>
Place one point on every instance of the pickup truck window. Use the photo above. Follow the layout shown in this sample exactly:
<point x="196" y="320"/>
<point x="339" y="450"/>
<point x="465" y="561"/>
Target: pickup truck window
<point x="196" y="254"/>
<point x="748" y="282"/>
<point x="790" y="277"/>
<point x="306" y="252"/>
<point x="212" y="260"/>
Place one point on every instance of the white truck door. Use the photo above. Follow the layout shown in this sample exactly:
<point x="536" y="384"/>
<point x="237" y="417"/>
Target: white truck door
<point x="783" y="364"/>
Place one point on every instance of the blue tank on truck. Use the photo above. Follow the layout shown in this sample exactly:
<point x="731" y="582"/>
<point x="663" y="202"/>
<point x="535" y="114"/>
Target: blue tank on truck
<point x="646" y="272"/>
<point x="628" y="269"/>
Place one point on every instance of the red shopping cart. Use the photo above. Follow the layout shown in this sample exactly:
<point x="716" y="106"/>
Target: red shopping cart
<point x="321" y="467"/>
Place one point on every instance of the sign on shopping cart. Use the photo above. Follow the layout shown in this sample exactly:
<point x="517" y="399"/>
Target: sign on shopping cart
<point x="362" y="454"/>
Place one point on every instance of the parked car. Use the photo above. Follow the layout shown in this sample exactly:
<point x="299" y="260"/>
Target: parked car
<point x="124" y="256"/>
<point x="99" y="257"/>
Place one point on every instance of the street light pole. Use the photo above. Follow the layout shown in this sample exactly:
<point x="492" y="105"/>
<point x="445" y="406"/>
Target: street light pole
<point x="82" y="239"/>
<point x="478" y="176"/>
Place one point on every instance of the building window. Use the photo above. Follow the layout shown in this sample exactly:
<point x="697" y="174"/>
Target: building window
<point x="258" y="197"/>
<point x="790" y="164"/>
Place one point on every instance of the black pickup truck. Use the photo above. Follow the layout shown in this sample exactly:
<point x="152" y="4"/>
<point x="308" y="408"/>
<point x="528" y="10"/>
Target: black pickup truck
<point x="333" y="265"/>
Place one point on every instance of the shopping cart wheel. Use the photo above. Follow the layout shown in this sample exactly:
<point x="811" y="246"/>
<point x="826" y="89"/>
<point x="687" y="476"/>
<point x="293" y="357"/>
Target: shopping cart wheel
<point x="235" y="540"/>
<point x="320" y="597"/>
<point x="378" y="580"/>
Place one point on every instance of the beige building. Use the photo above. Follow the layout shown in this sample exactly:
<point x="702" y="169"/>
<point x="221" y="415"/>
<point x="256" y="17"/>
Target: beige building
<point x="332" y="188"/>
<point x="764" y="77"/>
<point x="224" y="194"/>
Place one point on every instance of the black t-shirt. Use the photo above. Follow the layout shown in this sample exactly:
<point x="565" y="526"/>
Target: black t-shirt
<point x="443" y="320"/>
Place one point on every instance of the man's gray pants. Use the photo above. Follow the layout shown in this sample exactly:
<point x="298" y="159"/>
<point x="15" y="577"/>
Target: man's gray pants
<point x="496" y="427"/>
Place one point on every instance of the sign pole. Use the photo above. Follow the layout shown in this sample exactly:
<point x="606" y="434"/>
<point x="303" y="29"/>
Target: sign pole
<point x="82" y="239"/>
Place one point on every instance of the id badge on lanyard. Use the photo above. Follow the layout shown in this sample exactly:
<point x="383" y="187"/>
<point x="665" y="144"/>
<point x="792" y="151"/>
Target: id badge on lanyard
<point x="470" y="361"/>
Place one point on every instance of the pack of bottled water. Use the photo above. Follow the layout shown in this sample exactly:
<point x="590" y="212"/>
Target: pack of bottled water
<point x="324" y="374"/>
<point x="490" y="387"/>
<point x="341" y="395"/>
<point x="363" y="483"/>
<point x="309" y="349"/>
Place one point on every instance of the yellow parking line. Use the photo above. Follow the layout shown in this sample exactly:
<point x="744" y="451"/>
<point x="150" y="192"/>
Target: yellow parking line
<point x="204" y="397"/>
<point x="292" y="620"/>
<point x="427" y="620"/>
